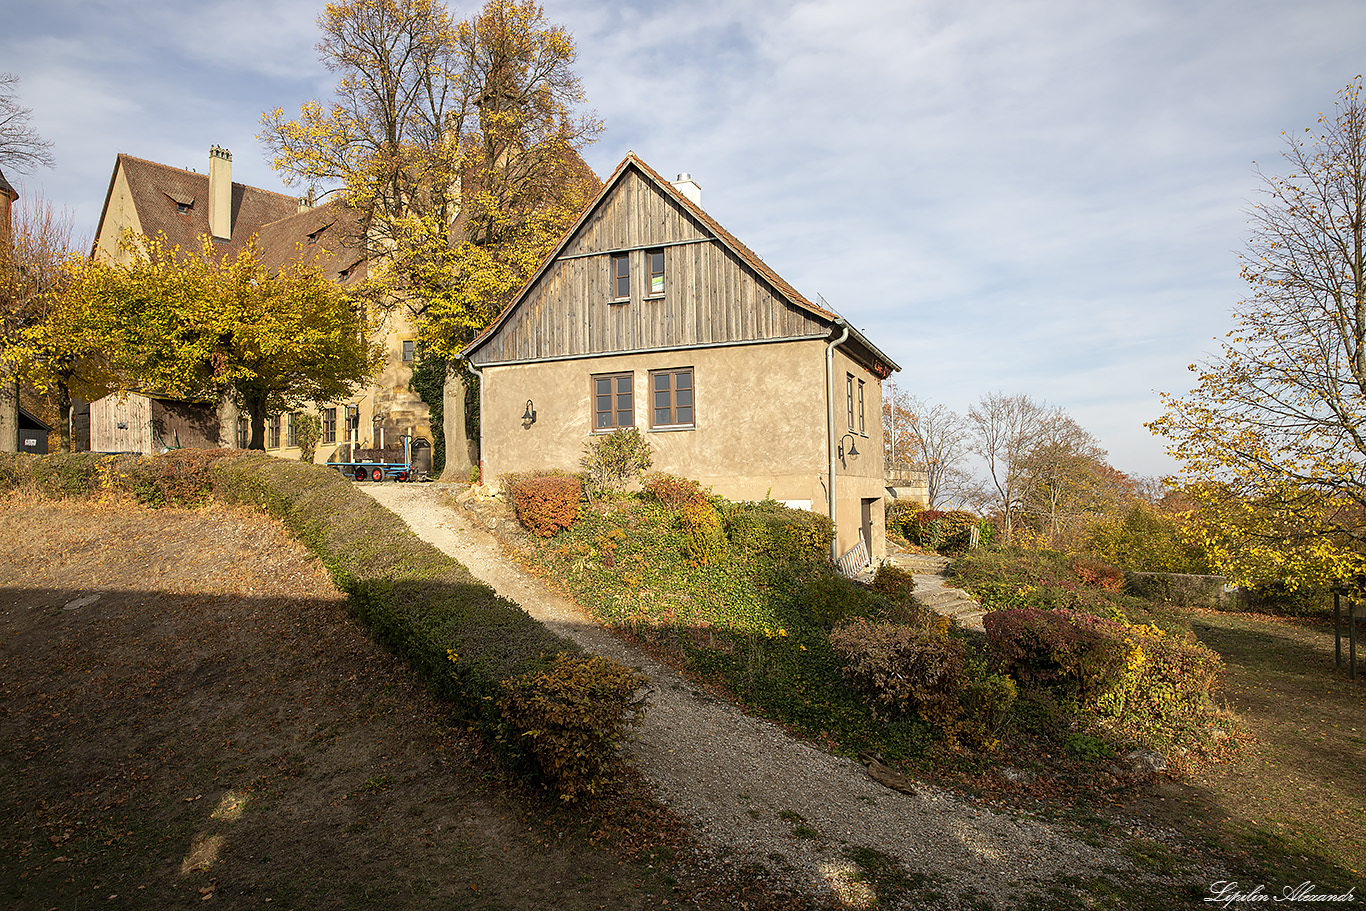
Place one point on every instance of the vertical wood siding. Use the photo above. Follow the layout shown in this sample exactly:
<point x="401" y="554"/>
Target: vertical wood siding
<point x="710" y="295"/>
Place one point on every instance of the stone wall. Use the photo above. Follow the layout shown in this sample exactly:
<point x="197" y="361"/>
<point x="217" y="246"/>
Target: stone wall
<point x="1211" y="592"/>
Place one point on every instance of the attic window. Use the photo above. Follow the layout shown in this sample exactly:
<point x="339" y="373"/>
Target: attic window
<point x="313" y="238"/>
<point x="654" y="260"/>
<point x="183" y="202"/>
<point x="621" y="277"/>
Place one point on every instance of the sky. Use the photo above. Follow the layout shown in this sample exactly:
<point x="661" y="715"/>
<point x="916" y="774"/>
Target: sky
<point x="1044" y="197"/>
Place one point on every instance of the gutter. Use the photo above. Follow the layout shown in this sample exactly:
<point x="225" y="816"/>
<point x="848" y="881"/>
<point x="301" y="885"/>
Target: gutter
<point x="830" y="431"/>
<point x="469" y="365"/>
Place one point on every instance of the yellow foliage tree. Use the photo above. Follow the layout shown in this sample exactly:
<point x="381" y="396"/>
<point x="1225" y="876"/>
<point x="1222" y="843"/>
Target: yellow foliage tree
<point x="1273" y="438"/>
<point x="458" y="144"/>
<point x="194" y="325"/>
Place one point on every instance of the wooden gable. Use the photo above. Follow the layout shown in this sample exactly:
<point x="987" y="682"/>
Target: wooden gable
<point x="716" y="292"/>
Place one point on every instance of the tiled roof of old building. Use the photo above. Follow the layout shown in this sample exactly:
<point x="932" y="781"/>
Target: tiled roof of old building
<point x="325" y="235"/>
<point x="175" y="202"/>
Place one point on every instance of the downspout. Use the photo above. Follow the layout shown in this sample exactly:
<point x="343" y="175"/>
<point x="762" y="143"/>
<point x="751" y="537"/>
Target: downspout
<point x="469" y="365"/>
<point x="830" y="432"/>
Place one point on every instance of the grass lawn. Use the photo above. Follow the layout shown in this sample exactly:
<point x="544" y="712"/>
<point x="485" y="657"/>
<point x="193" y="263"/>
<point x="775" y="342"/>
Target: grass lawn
<point x="1293" y="806"/>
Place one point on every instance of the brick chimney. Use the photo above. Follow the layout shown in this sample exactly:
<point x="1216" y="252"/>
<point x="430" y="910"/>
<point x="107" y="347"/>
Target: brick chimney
<point x="220" y="193"/>
<point x="689" y="188"/>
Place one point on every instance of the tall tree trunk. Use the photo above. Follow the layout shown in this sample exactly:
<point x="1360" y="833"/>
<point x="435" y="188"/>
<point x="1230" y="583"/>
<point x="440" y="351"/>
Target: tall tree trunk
<point x="63" y="395"/>
<point x="460" y="449"/>
<point x="256" y="409"/>
<point x="9" y="413"/>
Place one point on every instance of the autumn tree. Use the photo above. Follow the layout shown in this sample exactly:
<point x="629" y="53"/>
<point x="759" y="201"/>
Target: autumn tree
<point x="195" y="325"/>
<point x="928" y="438"/>
<point x="1272" y="440"/>
<point x="44" y="345"/>
<point x="1061" y="473"/>
<point x="21" y="148"/>
<point x="456" y="141"/>
<point x="1005" y="429"/>
<point x="458" y="144"/>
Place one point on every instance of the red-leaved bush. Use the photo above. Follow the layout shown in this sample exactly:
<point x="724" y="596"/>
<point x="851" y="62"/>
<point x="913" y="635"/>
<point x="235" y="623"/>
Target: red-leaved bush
<point x="1046" y="647"/>
<point x="546" y="503"/>
<point x="1098" y="573"/>
<point x="674" y="492"/>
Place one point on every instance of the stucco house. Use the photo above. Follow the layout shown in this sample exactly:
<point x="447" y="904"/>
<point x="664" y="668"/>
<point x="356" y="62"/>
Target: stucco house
<point x="649" y="314"/>
<point x="151" y="198"/>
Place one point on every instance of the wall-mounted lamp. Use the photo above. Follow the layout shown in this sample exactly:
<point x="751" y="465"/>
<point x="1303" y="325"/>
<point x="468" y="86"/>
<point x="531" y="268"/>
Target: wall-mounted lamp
<point x="853" y="450"/>
<point x="528" y="416"/>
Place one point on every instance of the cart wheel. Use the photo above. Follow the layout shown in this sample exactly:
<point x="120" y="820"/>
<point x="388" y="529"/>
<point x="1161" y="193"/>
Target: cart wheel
<point x="360" y="474"/>
<point x="377" y="474"/>
<point x="402" y="476"/>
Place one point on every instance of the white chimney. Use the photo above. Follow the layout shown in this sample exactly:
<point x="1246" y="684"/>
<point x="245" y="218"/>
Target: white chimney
<point x="220" y="193"/>
<point x="689" y="188"/>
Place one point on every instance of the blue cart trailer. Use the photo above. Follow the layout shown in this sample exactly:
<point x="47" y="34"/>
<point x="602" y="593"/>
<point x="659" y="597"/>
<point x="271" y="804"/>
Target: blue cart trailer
<point x="379" y="470"/>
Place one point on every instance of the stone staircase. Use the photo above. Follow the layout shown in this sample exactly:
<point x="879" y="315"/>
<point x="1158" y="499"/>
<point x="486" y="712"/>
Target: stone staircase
<point x="932" y="591"/>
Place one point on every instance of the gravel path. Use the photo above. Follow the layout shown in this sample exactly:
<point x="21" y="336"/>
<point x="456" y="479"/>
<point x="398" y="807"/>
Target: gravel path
<point x="734" y="777"/>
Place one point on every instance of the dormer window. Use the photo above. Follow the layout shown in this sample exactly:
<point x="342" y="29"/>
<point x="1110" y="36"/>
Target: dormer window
<point x="183" y="202"/>
<point x="313" y="238"/>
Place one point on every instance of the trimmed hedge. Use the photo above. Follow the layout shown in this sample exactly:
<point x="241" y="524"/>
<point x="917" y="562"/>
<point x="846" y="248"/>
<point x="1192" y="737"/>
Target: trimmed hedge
<point x="466" y="642"/>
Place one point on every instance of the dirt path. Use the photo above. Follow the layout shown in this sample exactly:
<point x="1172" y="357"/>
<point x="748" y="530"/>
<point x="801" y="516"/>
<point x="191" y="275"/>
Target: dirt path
<point x="756" y="795"/>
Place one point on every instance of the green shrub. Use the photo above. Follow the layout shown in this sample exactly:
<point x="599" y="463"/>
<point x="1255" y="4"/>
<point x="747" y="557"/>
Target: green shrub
<point x="945" y="532"/>
<point x="829" y="599"/>
<point x="926" y="672"/>
<point x="893" y="583"/>
<point x="1141" y="684"/>
<point x="1022" y="578"/>
<point x="1146" y="540"/>
<point x="308" y="432"/>
<point x="769" y="529"/>
<point x="572" y="717"/>
<point x="703" y="540"/>
<point x="181" y="477"/>
<point x="614" y="459"/>
<point x="546" y="503"/>
<point x="987" y="699"/>
<point x="674" y="492"/>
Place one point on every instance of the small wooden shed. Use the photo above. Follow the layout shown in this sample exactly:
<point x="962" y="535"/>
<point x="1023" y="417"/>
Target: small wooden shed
<point x="131" y="422"/>
<point x="33" y="432"/>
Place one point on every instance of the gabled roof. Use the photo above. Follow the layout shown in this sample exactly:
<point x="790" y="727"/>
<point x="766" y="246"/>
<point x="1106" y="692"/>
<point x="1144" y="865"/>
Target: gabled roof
<point x="6" y="189"/>
<point x="159" y="191"/>
<point x="875" y="359"/>
<point x="322" y="235"/>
